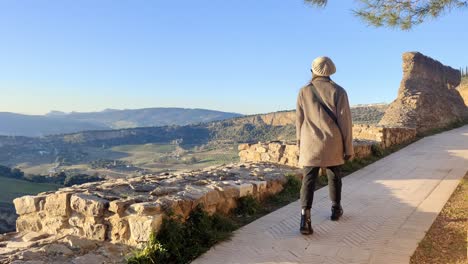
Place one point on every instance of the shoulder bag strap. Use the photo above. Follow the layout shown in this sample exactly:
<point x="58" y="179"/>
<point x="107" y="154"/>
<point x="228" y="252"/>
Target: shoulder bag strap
<point x="322" y="103"/>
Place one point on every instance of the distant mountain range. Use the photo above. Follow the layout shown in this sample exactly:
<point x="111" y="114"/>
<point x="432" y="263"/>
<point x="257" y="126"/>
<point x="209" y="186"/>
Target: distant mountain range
<point x="56" y="122"/>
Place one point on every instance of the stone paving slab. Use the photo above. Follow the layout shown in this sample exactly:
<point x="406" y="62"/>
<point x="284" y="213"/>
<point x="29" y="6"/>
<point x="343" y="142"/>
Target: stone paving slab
<point x="388" y="208"/>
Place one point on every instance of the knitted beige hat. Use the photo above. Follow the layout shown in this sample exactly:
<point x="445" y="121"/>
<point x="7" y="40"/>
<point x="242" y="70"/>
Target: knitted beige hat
<point x="323" y="66"/>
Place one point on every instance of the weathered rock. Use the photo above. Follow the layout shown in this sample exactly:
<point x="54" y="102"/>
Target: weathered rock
<point x="165" y="190"/>
<point x="243" y="147"/>
<point x="88" y="205"/>
<point x="118" y="230"/>
<point x="80" y="243"/>
<point x="53" y="225"/>
<point x="142" y="226"/>
<point x="90" y="258"/>
<point x="58" y="249"/>
<point x="427" y="98"/>
<point x="22" y="244"/>
<point x="146" y="208"/>
<point x="119" y="206"/>
<point x="34" y="236"/>
<point x="28" y="262"/>
<point x="95" y="231"/>
<point x="463" y="90"/>
<point x="58" y="204"/>
<point x="29" y="204"/>
<point x="142" y="187"/>
<point x="29" y="222"/>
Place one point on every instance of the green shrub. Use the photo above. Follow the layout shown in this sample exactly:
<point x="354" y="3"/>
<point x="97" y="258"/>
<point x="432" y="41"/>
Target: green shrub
<point x="247" y="206"/>
<point x="377" y="150"/>
<point x="291" y="191"/>
<point x="182" y="242"/>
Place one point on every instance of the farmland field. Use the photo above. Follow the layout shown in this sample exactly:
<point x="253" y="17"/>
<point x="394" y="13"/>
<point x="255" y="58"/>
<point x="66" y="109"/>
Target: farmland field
<point x="12" y="188"/>
<point x="9" y="190"/>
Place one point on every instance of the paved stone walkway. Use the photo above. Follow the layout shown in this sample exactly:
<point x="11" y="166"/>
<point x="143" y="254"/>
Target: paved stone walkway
<point x="388" y="207"/>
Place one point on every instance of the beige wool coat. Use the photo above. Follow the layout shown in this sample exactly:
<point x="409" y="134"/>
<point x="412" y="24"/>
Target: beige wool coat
<point x="323" y="143"/>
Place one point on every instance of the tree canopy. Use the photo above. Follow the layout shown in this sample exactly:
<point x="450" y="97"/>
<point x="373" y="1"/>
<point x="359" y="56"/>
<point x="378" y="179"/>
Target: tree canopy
<point x="399" y="13"/>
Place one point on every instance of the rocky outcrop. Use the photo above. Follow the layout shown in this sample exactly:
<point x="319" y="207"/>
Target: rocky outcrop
<point x="41" y="248"/>
<point x="283" y="118"/>
<point x="463" y="90"/>
<point x="126" y="211"/>
<point x="366" y="113"/>
<point x="365" y="137"/>
<point x="427" y="98"/>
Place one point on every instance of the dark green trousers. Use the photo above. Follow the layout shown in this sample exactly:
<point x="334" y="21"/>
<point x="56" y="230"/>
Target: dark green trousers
<point x="308" y="185"/>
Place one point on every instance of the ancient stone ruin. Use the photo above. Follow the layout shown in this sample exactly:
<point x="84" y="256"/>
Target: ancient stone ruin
<point x="127" y="210"/>
<point x="427" y="98"/>
<point x="365" y="136"/>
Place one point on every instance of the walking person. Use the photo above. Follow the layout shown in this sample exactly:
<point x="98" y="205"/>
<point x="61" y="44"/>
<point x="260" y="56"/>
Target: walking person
<point x="324" y="137"/>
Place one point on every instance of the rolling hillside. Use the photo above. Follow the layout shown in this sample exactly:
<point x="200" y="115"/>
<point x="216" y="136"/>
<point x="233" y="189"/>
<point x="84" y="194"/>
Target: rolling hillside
<point x="12" y="124"/>
<point x="41" y="155"/>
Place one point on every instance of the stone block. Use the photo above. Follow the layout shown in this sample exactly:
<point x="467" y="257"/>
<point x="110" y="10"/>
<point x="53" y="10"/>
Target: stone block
<point x="95" y="231"/>
<point x="58" y="204"/>
<point x="29" y="204"/>
<point x="265" y="157"/>
<point x="261" y="149"/>
<point x="53" y="225"/>
<point x="245" y="189"/>
<point x="146" y="208"/>
<point x="243" y="147"/>
<point x="29" y="223"/>
<point x="212" y="197"/>
<point x="118" y="230"/>
<point x="141" y="227"/>
<point x="119" y="206"/>
<point x="88" y="205"/>
<point x="259" y="187"/>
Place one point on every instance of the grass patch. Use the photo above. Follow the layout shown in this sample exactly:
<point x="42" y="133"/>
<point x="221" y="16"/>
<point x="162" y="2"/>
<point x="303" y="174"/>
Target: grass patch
<point x="446" y="240"/>
<point x="13" y="188"/>
<point x="251" y="209"/>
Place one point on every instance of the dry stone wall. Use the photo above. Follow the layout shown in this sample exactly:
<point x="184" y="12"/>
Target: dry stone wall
<point x="384" y="136"/>
<point x="127" y="210"/>
<point x="427" y="98"/>
<point x="365" y="137"/>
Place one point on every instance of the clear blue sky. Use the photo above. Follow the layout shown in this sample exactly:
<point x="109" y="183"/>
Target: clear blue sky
<point x="238" y="56"/>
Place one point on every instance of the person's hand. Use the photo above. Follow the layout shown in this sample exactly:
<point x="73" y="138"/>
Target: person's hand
<point x="348" y="157"/>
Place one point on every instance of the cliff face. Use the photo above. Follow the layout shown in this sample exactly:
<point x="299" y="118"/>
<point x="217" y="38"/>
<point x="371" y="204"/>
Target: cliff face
<point x="274" y="119"/>
<point x="368" y="114"/>
<point x="427" y="98"/>
<point x="463" y="90"/>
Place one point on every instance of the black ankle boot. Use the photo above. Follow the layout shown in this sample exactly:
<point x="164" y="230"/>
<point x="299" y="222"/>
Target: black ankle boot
<point x="306" y="223"/>
<point x="337" y="212"/>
